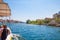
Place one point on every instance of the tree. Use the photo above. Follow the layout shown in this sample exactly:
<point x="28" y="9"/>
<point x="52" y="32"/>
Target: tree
<point x="57" y="20"/>
<point x="39" y="22"/>
<point x="28" y="21"/>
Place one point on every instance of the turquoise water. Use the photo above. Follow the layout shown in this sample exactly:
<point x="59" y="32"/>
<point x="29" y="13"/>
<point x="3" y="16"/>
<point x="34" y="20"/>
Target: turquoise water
<point x="35" y="32"/>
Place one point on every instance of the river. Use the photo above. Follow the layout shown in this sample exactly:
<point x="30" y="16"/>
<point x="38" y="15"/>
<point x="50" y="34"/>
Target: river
<point x="35" y="32"/>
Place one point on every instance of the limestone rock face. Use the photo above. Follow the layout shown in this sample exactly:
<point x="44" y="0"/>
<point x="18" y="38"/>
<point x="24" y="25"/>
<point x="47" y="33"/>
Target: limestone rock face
<point x="52" y="23"/>
<point x="4" y="9"/>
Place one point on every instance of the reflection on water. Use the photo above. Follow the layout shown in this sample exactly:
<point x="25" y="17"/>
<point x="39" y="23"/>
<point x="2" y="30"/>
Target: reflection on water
<point x="35" y="32"/>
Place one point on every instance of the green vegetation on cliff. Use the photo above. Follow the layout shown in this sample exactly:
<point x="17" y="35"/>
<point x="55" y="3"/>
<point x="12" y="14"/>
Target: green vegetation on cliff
<point x="51" y="21"/>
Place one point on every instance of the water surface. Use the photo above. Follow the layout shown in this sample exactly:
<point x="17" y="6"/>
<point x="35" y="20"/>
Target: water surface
<point x="35" y="32"/>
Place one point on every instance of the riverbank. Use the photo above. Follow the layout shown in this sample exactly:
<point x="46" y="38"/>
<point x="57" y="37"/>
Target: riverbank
<point x="54" y="21"/>
<point x="11" y="21"/>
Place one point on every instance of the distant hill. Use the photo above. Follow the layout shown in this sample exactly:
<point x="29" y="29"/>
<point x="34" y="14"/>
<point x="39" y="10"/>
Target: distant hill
<point x="11" y="21"/>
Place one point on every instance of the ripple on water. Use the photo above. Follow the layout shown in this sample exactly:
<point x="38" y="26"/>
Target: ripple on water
<point x="36" y="32"/>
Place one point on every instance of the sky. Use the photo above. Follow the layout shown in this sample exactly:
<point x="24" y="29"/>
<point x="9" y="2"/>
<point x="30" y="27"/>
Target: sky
<point x="33" y="9"/>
